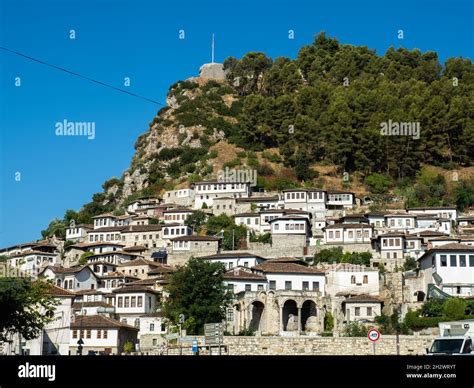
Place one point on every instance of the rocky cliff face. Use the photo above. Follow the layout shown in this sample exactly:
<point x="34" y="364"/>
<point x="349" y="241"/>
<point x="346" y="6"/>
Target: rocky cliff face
<point x="187" y="123"/>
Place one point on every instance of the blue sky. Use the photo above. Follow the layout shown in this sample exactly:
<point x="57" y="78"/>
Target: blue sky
<point x="139" y="39"/>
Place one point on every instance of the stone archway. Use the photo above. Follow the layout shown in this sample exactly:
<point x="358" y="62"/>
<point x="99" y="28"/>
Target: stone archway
<point x="290" y="315"/>
<point x="309" y="314"/>
<point x="256" y="313"/>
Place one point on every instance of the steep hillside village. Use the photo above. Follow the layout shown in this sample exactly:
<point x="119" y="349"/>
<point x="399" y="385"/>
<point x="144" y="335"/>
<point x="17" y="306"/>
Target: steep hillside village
<point x="287" y="251"/>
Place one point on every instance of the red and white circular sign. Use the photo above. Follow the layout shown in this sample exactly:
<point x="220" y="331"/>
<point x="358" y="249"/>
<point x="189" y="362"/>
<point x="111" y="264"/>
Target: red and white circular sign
<point x="373" y="335"/>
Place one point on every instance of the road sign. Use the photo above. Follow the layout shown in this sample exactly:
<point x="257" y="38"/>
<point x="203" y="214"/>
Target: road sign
<point x="172" y="336"/>
<point x="213" y="333"/>
<point x="373" y="335"/>
<point x="80" y="342"/>
<point x="195" y="346"/>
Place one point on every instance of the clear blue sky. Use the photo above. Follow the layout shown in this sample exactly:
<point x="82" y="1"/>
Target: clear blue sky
<point x="139" y="39"/>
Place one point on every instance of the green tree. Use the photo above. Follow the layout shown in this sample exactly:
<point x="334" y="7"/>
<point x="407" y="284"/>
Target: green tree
<point x="378" y="183"/>
<point x="328" y="322"/>
<point x="197" y="290"/>
<point x="454" y="308"/>
<point x="195" y="220"/>
<point x="355" y="329"/>
<point x="24" y="305"/>
<point x="83" y="258"/>
<point x="128" y="347"/>
<point x="409" y="264"/>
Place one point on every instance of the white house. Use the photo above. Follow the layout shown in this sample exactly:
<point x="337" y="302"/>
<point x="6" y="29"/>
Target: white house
<point x="340" y="200"/>
<point x="196" y="244"/>
<point x="400" y="221"/>
<point x="282" y="275"/>
<point x="310" y="200"/>
<point x="250" y="220"/>
<point x="347" y="234"/>
<point x="344" y="279"/>
<point x="134" y="301"/>
<point x="178" y="215"/>
<point x="206" y="191"/>
<point x="175" y="230"/>
<point x="449" y="267"/>
<point x="235" y="259"/>
<point x="182" y="197"/>
<point x="78" y="232"/>
<point x="73" y="279"/>
<point x="31" y="263"/>
<point x="100" y="334"/>
<point x="242" y="279"/>
<point x="442" y="212"/>
<point x="54" y="338"/>
<point x="361" y="308"/>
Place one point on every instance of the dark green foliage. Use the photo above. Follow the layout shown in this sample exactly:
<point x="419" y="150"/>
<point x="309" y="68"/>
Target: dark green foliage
<point x="391" y="325"/>
<point x="265" y="238"/>
<point x="341" y="124"/>
<point x="232" y="233"/>
<point x="464" y="194"/>
<point x="335" y="255"/>
<point x="355" y="329"/>
<point x="196" y="220"/>
<point x="378" y="183"/>
<point x="197" y="291"/>
<point x="436" y="310"/>
<point x="23" y="304"/>
<point x="409" y="264"/>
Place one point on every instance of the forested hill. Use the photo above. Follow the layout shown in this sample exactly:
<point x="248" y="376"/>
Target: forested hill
<point x="315" y="121"/>
<point x="337" y="96"/>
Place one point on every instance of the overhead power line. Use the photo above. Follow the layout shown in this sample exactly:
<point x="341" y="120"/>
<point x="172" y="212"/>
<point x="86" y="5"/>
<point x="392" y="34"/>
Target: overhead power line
<point x="81" y="76"/>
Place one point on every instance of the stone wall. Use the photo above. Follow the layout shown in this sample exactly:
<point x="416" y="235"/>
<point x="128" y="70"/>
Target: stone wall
<point x="265" y="346"/>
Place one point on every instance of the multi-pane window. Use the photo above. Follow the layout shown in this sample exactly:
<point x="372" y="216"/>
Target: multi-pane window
<point x="453" y="260"/>
<point x="288" y="285"/>
<point x="443" y="260"/>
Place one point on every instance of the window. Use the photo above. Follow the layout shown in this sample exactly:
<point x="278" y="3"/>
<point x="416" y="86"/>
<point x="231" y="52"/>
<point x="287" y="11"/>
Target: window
<point x="315" y="286"/>
<point x="248" y="287"/>
<point x="338" y="234"/>
<point x="231" y="265"/>
<point x="88" y="334"/>
<point x="366" y="279"/>
<point x="458" y="290"/>
<point x="99" y="334"/>
<point x="443" y="260"/>
<point x="230" y="287"/>
<point x="331" y="234"/>
<point x="133" y="301"/>
<point x="246" y="263"/>
<point x="120" y="301"/>
<point x="462" y="260"/>
<point x="105" y="334"/>
<point x="288" y="285"/>
<point x="369" y="311"/>
<point x="353" y="279"/>
<point x="155" y="341"/>
<point x="357" y="311"/>
<point x="471" y="261"/>
<point x="453" y="262"/>
<point x="260" y="287"/>
<point x="74" y="334"/>
<point x="305" y="286"/>
<point x="127" y="301"/>
<point x="351" y="234"/>
<point x="272" y="285"/>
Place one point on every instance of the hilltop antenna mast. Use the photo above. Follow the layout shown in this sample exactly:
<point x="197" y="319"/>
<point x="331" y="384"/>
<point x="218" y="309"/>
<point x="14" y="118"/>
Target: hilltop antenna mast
<point x="212" y="56"/>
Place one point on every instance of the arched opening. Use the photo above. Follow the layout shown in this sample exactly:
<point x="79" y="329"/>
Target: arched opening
<point x="309" y="315"/>
<point x="290" y="316"/>
<point x="256" y="312"/>
<point x="420" y="296"/>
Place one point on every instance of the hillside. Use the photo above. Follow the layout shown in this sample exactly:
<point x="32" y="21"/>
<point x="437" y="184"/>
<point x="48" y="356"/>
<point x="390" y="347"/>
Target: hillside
<point x="314" y="121"/>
